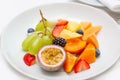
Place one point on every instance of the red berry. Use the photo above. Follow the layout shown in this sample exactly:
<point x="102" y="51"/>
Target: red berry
<point x="29" y="59"/>
<point x="60" y="25"/>
<point x="57" y="30"/>
<point x="61" y="22"/>
<point x="81" y="65"/>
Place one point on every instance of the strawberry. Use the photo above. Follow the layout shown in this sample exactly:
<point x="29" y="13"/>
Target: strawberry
<point x="61" y="22"/>
<point x="29" y="59"/>
<point x="57" y="30"/>
<point x="81" y="65"/>
<point x="60" y="25"/>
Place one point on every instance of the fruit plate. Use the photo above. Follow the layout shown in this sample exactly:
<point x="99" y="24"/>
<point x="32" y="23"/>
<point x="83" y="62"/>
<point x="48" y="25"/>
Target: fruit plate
<point x="15" y="32"/>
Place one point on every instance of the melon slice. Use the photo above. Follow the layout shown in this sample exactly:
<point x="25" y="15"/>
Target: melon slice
<point x="88" y="54"/>
<point x="69" y="62"/>
<point x="93" y="39"/>
<point x="86" y="25"/>
<point x="90" y="31"/>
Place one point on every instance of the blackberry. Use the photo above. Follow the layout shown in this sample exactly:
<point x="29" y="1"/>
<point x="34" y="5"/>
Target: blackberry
<point x="59" y="41"/>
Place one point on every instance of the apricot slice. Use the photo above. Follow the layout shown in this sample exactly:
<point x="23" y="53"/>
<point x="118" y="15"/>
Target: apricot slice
<point x="75" y="45"/>
<point x="93" y="39"/>
<point x="90" y="31"/>
<point x="88" y="54"/>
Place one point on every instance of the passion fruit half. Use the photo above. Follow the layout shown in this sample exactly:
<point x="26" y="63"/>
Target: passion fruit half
<point x="51" y="57"/>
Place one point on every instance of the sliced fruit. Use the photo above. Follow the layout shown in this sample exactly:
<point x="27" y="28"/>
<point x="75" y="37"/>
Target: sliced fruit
<point x="69" y="34"/>
<point x="29" y="59"/>
<point x="90" y="31"/>
<point x="86" y="25"/>
<point x="93" y="39"/>
<point x="81" y="65"/>
<point x="73" y="26"/>
<point x="61" y="22"/>
<point x="99" y="27"/>
<point x="75" y="45"/>
<point x="69" y="62"/>
<point x="57" y="30"/>
<point x="88" y="54"/>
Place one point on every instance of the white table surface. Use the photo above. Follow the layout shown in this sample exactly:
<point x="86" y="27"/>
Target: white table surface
<point x="8" y="10"/>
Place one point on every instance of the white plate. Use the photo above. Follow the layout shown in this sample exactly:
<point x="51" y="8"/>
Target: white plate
<point x="15" y="32"/>
<point x="92" y="2"/>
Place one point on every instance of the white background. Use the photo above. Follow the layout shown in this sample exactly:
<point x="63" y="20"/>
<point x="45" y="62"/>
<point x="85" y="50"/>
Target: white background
<point x="8" y="10"/>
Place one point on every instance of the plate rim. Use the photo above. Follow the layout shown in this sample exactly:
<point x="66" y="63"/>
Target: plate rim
<point x="70" y="3"/>
<point x="85" y="2"/>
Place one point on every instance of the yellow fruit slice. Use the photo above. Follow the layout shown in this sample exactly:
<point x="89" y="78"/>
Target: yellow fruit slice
<point x="73" y="26"/>
<point x="66" y="34"/>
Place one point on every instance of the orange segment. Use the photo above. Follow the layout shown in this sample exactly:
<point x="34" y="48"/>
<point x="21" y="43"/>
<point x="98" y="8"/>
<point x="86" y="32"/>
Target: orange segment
<point x="93" y="39"/>
<point x="88" y="54"/>
<point x="75" y="45"/>
<point x="90" y="31"/>
<point x="86" y="25"/>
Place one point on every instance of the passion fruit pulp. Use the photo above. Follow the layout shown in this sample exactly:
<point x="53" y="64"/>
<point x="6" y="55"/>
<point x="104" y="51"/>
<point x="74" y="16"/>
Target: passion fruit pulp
<point x="51" y="57"/>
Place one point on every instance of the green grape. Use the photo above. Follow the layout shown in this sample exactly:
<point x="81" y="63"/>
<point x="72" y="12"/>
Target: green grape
<point x="40" y="25"/>
<point x="47" y="39"/>
<point x="50" y="24"/>
<point x="35" y="46"/>
<point x="27" y="41"/>
<point x="39" y="42"/>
